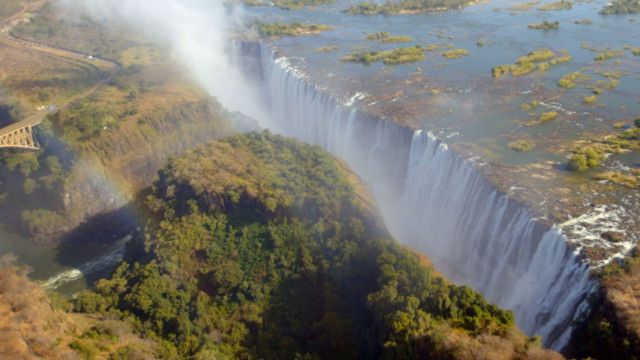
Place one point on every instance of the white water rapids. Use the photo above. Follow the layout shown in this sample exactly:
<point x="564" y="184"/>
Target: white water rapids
<point x="110" y="259"/>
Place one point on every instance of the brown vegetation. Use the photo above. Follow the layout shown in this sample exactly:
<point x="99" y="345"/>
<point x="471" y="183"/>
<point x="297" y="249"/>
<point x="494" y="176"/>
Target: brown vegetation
<point x="30" y="328"/>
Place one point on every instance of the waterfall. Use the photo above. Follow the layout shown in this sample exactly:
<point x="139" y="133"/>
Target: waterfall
<point x="437" y="202"/>
<point x="479" y="237"/>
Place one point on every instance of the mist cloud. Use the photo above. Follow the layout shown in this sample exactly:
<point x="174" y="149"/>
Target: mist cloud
<point x="198" y="33"/>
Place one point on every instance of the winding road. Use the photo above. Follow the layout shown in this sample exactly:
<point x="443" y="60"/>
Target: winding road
<point x="18" y="134"/>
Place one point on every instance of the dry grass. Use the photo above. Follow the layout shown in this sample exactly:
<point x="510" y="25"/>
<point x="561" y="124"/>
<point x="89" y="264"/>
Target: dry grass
<point x="28" y="325"/>
<point x="31" y="329"/>
<point x="35" y="79"/>
<point x="458" y="345"/>
<point x="77" y="33"/>
<point x="9" y="7"/>
<point x="623" y="292"/>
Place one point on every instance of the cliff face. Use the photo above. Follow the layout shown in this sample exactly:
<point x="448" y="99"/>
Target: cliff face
<point x="612" y="330"/>
<point x="110" y="169"/>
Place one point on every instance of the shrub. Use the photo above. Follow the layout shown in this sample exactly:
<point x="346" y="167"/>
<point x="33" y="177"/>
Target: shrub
<point x="540" y="59"/>
<point x="395" y="56"/>
<point x="547" y="116"/>
<point x="608" y="54"/>
<point x="545" y="25"/>
<point x="85" y="349"/>
<point x="25" y="162"/>
<point x="529" y="106"/>
<point x="405" y="7"/>
<point x="558" y="5"/>
<point x="621" y="7"/>
<point x="590" y="99"/>
<point x="585" y="158"/>
<point x="522" y="145"/>
<point x="290" y="29"/>
<point x="29" y="186"/>
<point x="384" y="37"/>
<point x="500" y="70"/>
<point x="456" y="53"/>
<point x="40" y="221"/>
<point x="291" y="4"/>
<point x="568" y="81"/>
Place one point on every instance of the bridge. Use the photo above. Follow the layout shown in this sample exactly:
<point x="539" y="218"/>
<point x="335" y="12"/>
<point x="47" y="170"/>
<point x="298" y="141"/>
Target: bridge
<point x="20" y="135"/>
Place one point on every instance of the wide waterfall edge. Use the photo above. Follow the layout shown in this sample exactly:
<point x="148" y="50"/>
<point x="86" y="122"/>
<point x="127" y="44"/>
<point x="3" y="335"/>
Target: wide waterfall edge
<point x="581" y="270"/>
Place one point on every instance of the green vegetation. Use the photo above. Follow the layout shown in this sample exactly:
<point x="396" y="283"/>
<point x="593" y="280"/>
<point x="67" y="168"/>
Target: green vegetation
<point x="455" y="53"/>
<point x="435" y="47"/>
<point x="590" y="99"/>
<point x="523" y="6"/>
<point x="537" y="60"/>
<point x="583" y="22"/>
<point x="568" y="81"/>
<point x="537" y="55"/>
<point x="290" y="29"/>
<point x="547" y="116"/>
<point x="619" y="124"/>
<point x="299" y="4"/>
<point x="405" y="7"/>
<point x="610" y="330"/>
<point x="80" y="121"/>
<point x="41" y="175"/>
<point x="263" y="247"/>
<point x="608" y="54"/>
<point x="522" y="145"/>
<point x="396" y="56"/>
<point x="592" y="154"/>
<point x="288" y="4"/>
<point x="28" y="313"/>
<point x="612" y="76"/>
<point x="585" y="158"/>
<point x="545" y="25"/>
<point x="557" y="5"/>
<point x="621" y="7"/>
<point x="530" y="106"/>
<point x="41" y="222"/>
<point x="630" y="180"/>
<point x="255" y="2"/>
<point x="635" y="51"/>
<point x="384" y="37"/>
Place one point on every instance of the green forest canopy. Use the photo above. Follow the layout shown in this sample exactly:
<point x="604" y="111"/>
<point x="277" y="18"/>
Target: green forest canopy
<point x="262" y="247"/>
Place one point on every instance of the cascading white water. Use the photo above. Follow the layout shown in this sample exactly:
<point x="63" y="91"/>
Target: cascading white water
<point x="481" y="238"/>
<point x="436" y="202"/>
<point x="111" y="259"/>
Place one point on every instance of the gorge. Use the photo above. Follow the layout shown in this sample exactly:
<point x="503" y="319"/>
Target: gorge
<point x="471" y="164"/>
<point x="436" y="201"/>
